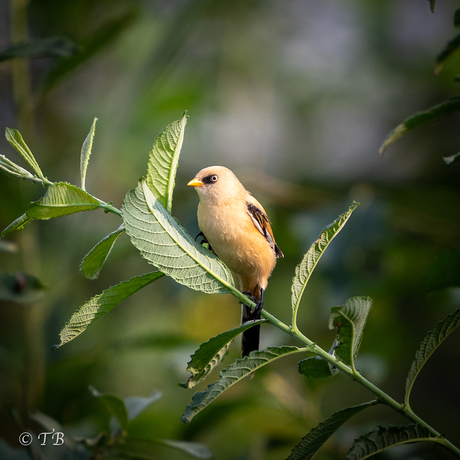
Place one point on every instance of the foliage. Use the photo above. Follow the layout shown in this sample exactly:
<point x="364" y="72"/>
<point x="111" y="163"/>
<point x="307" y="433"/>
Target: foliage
<point x="442" y="109"/>
<point x="380" y="258"/>
<point x="166" y="244"/>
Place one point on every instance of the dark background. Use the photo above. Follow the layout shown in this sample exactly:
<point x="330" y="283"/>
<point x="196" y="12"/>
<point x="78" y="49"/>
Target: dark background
<point x="296" y="97"/>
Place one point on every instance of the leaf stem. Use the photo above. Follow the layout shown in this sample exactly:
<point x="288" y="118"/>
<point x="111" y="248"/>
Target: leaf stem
<point x="109" y="207"/>
<point x="404" y="410"/>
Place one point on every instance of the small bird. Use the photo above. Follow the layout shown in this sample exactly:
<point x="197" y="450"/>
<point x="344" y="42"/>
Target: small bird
<point x="238" y="231"/>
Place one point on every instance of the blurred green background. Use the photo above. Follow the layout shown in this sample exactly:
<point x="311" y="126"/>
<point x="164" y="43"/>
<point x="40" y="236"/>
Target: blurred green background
<point x="296" y="97"/>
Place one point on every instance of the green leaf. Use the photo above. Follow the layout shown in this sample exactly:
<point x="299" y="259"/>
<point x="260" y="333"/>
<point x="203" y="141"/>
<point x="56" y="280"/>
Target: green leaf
<point x="446" y="54"/>
<point x="316" y="367"/>
<point x="382" y="438"/>
<point x="164" y="160"/>
<point x="430" y="343"/>
<point x="62" y="199"/>
<point x="115" y="406"/>
<point x="167" y="245"/>
<point x="17" y="224"/>
<point x="12" y="169"/>
<point x="349" y="320"/>
<point x="13" y="136"/>
<point x="432" y="2"/>
<point x="40" y="47"/>
<point x="304" y="270"/>
<point x="93" y="261"/>
<point x="86" y="153"/>
<point x="211" y="353"/>
<point x="420" y="119"/>
<point x="314" y="440"/>
<point x="233" y="374"/>
<point x="444" y="272"/>
<point x="137" y="404"/>
<point x="101" y="304"/>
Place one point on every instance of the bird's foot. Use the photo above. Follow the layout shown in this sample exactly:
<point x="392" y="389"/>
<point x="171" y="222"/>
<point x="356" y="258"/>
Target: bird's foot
<point x="204" y="242"/>
<point x="255" y="314"/>
<point x="250" y="296"/>
<point x="260" y="304"/>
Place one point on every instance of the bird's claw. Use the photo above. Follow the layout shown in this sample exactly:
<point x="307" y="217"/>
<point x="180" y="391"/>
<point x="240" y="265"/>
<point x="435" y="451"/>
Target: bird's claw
<point x="259" y="304"/>
<point x="204" y="241"/>
<point x="258" y="309"/>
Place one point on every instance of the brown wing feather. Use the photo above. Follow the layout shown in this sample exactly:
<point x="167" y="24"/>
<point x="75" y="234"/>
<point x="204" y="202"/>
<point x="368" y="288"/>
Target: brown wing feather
<point x="262" y="223"/>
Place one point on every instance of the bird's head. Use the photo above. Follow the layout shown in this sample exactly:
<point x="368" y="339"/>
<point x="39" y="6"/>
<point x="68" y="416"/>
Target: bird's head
<point x="217" y="184"/>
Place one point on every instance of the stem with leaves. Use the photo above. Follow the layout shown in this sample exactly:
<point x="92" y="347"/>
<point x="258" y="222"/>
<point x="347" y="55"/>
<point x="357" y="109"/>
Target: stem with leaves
<point x="350" y="371"/>
<point x="146" y="214"/>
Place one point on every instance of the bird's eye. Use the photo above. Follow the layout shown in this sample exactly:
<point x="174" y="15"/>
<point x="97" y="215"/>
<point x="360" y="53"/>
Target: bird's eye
<point x="210" y="179"/>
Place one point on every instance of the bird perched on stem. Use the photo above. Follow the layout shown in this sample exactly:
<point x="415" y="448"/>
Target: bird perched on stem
<point x="238" y="230"/>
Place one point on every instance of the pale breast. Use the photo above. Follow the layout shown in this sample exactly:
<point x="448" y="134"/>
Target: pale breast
<point x="236" y="241"/>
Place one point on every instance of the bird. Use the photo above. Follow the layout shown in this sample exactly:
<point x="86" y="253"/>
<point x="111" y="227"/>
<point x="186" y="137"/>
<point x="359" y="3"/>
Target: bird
<point x="238" y="231"/>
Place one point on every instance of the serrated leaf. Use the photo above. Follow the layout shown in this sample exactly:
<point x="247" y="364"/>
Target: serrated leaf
<point x="234" y="373"/>
<point x="349" y="321"/>
<point x="137" y="404"/>
<point x="101" y="304"/>
<point x="62" y="199"/>
<point x="115" y="406"/>
<point x="13" y="136"/>
<point x="168" y="246"/>
<point x="420" y="119"/>
<point x="17" y="224"/>
<point x="446" y="54"/>
<point x="316" y="368"/>
<point x="211" y="353"/>
<point x="164" y="160"/>
<point x="382" y="438"/>
<point x="93" y="261"/>
<point x="12" y="169"/>
<point x="429" y="345"/>
<point x="314" y="440"/>
<point x="86" y="153"/>
<point x="40" y="47"/>
<point x="304" y="270"/>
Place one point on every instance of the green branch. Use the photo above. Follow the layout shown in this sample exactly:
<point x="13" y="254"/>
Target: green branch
<point x="406" y="411"/>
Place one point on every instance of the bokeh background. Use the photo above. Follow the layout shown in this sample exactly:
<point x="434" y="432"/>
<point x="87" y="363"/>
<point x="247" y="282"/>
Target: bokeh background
<point x="296" y="97"/>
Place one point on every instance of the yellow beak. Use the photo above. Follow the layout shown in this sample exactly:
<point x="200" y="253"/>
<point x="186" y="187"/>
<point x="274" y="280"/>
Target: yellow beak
<point x="195" y="183"/>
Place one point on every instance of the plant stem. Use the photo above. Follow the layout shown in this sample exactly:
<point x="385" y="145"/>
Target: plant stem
<point x="406" y="411"/>
<point x="109" y="207"/>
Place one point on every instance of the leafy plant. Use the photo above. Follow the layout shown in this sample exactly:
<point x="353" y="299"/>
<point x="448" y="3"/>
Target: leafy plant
<point x="120" y="439"/>
<point x="164" y="243"/>
<point x="442" y="109"/>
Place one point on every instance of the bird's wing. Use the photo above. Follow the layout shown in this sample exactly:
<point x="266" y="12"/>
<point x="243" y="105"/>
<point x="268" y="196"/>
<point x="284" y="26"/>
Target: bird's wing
<point x="262" y="223"/>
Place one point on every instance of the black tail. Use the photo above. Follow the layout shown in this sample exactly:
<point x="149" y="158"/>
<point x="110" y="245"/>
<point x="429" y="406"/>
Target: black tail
<point x="250" y="337"/>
